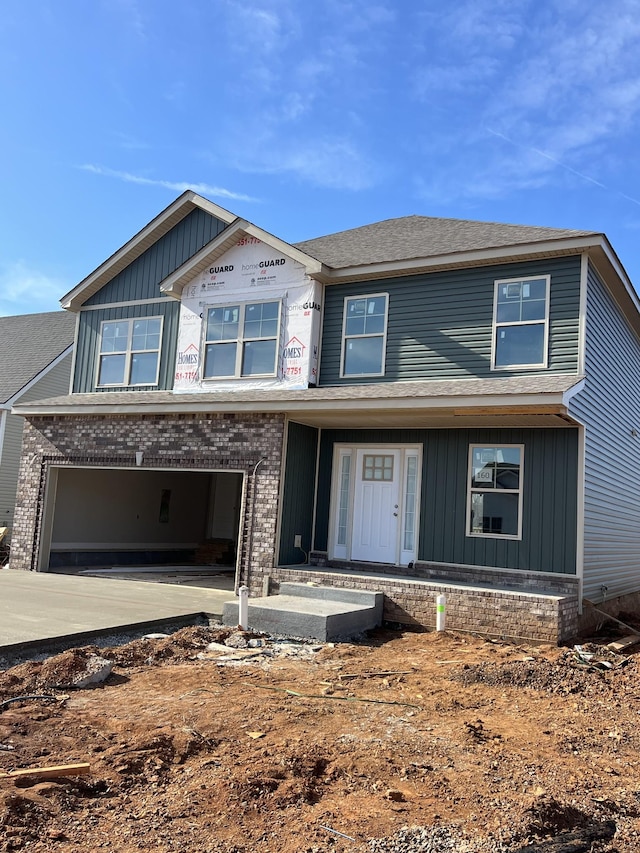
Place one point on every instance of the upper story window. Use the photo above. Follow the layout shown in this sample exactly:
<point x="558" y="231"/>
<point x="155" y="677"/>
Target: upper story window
<point x="521" y="323"/>
<point x="364" y="335"/>
<point x="130" y="351"/>
<point x="494" y="505"/>
<point x="242" y="340"/>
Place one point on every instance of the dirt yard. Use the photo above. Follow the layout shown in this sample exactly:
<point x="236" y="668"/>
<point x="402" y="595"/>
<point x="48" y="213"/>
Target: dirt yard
<point x="405" y="741"/>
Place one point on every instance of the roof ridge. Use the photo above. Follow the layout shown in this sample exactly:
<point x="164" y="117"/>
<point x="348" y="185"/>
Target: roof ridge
<point x="453" y="219"/>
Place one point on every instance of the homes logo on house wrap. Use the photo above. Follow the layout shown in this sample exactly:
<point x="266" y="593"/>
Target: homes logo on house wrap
<point x="187" y="364"/>
<point x="292" y="355"/>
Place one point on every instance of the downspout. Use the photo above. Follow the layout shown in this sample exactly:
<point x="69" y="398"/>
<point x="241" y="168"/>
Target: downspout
<point x="253" y="513"/>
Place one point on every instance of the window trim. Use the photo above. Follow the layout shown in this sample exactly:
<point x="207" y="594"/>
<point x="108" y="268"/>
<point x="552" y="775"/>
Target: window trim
<point x="496" y="325"/>
<point x="240" y="340"/>
<point x="383" y="335"/>
<point x="471" y="490"/>
<point x="128" y="353"/>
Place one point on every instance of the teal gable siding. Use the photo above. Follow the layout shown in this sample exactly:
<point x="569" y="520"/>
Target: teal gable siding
<point x="84" y="380"/>
<point x="440" y="324"/>
<point x="139" y="282"/>
<point x="549" y="531"/>
<point x="297" y="497"/>
<point x="141" y="279"/>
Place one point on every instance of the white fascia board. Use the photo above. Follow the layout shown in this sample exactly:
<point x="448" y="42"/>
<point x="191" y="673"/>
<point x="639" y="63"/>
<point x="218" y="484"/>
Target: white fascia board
<point x="174" y="283"/>
<point x="462" y="259"/>
<point x="620" y="271"/>
<point x="570" y="393"/>
<point x="16" y="397"/>
<point x="196" y="406"/>
<point x="139" y="243"/>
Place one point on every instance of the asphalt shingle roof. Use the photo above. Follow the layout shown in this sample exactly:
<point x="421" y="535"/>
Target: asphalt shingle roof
<point x="28" y="344"/>
<point x="412" y="237"/>
<point x="330" y="395"/>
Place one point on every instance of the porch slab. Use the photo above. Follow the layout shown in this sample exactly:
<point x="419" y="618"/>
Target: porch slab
<point x="308" y="610"/>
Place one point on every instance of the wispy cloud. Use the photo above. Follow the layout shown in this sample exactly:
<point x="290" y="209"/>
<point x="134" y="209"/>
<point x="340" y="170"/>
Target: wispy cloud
<point x="291" y="98"/>
<point x="563" y="85"/>
<point x="24" y="290"/>
<point x="331" y="162"/>
<point x="179" y="186"/>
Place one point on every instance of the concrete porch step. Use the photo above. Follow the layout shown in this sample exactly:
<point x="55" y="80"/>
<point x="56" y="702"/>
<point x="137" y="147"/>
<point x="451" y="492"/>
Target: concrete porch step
<point x="307" y="610"/>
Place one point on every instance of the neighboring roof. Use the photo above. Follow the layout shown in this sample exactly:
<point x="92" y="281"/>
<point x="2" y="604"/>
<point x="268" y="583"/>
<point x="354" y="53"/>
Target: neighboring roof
<point x="413" y="237"/>
<point x="29" y="343"/>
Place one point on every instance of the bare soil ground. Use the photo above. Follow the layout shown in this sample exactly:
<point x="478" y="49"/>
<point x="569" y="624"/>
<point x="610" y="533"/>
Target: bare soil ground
<point x="295" y="747"/>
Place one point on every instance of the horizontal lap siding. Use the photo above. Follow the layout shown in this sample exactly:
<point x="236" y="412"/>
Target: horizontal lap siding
<point x="54" y="383"/>
<point x="440" y="324"/>
<point x="548" y="541"/>
<point x="609" y="406"/>
<point x="89" y="342"/>
<point x="141" y="279"/>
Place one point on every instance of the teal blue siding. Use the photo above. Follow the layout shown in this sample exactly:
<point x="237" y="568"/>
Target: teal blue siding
<point x="138" y="282"/>
<point x="84" y="380"/>
<point x="141" y="279"/>
<point x="609" y="408"/>
<point x="297" y="498"/>
<point x="549" y="531"/>
<point x="440" y="324"/>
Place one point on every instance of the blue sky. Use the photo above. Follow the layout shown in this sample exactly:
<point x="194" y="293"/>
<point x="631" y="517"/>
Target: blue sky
<point x="308" y="118"/>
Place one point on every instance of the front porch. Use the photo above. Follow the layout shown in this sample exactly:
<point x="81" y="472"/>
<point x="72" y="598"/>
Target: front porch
<point x="516" y="605"/>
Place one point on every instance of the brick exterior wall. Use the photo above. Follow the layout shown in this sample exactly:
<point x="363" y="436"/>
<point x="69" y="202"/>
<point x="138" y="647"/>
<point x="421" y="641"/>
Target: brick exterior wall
<point x="220" y="442"/>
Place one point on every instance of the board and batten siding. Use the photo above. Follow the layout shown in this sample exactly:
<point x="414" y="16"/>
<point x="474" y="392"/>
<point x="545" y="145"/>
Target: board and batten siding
<point x="549" y="508"/>
<point x="609" y="407"/>
<point x="88" y="343"/>
<point x="141" y="278"/>
<point x="298" y="493"/>
<point x="54" y="383"/>
<point x="440" y="323"/>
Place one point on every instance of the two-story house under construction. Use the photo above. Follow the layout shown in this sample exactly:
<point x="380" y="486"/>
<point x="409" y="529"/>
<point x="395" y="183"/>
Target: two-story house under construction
<point x="416" y="406"/>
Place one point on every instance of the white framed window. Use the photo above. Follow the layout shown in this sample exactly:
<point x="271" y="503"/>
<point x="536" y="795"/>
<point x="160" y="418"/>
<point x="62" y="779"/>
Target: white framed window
<point x="521" y="323"/>
<point x="129" y="352"/>
<point x="364" y="335"/>
<point x="494" y="500"/>
<point x="241" y="340"/>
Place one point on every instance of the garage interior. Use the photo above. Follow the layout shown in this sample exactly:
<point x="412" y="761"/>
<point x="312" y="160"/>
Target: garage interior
<point x="132" y="522"/>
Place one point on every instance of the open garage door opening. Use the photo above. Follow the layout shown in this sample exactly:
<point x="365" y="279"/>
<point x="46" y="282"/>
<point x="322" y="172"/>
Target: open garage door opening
<point x="110" y="518"/>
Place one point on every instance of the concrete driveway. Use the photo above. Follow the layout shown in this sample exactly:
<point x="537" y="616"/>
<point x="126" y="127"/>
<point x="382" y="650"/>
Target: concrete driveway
<point x="39" y="610"/>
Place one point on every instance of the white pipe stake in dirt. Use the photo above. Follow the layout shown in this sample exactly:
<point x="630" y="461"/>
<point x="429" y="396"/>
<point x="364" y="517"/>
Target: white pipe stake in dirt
<point x="243" y="608"/>
<point x="441" y="612"/>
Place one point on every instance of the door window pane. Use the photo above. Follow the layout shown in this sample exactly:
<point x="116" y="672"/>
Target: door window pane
<point x="376" y="467"/>
<point x="343" y="502"/>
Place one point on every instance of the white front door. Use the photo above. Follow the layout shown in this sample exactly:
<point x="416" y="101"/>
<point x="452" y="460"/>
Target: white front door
<point x="376" y="507"/>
